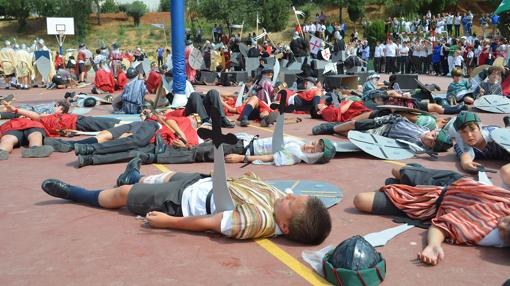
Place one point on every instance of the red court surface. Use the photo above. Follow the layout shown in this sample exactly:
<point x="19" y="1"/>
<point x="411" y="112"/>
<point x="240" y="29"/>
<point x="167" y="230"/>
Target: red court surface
<point x="47" y="241"/>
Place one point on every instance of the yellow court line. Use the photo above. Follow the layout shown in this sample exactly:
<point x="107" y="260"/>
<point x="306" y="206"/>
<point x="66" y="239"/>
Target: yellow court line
<point x="303" y="271"/>
<point x="298" y="267"/>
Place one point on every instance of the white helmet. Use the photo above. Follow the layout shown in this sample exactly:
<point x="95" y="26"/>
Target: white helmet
<point x="7" y="43"/>
<point x="41" y="42"/>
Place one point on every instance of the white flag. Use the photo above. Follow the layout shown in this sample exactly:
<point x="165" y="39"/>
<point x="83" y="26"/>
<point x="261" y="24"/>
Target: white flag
<point x="315" y="45"/>
<point x="236" y="26"/>
<point x="297" y="12"/>
<point x="326" y="54"/>
<point x="160" y="26"/>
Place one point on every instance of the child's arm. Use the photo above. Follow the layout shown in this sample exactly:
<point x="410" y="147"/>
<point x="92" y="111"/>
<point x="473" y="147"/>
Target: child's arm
<point x="467" y="163"/>
<point x="236" y="158"/>
<point x="30" y="114"/>
<point x="433" y="252"/>
<point x="191" y="223"/>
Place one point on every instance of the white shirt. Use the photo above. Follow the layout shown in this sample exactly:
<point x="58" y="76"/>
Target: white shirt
<point x="458" y="60"/>
<point x="457" y="20"/>
<point x="378" y="51"/>
<point x="404" y="50"/>
<point x="312" y="28"/>
<point x="449" y="20"/>
<point x="390" y="50"/>
<point x="188" y="90"/>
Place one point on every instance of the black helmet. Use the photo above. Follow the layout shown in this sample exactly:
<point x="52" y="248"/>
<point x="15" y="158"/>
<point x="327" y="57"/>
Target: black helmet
<point x="355" y="253"/>
<point x="131" y="73"/>
<point x="354" y="262"/>
<point x="89" y="102"/>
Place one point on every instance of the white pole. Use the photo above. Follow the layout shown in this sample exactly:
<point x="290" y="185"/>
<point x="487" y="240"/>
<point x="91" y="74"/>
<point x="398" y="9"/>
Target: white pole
<point x="297" y="19"/>
<point x="241" y="35"/>
<point x="257" y="29"/>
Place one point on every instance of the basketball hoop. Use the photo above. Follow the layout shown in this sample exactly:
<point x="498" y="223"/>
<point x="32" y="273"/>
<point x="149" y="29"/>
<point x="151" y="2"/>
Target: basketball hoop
<point x="61" y="36"/>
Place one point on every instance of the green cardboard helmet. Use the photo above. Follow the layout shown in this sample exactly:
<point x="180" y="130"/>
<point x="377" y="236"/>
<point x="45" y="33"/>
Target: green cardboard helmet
<point x="354" y="262"/>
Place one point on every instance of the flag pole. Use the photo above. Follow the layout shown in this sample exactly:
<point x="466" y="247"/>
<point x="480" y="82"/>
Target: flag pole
<point x="241" y="35"/>
<point x="299" y="24"/>
<point x="257" y="29"/>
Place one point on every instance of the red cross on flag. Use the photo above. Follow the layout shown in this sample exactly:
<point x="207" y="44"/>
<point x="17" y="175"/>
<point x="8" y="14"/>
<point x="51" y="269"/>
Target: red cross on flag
<point x="326" y="54"/>
<point x="315" y="45"/>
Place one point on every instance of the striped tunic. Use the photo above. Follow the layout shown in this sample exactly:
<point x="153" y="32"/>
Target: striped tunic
<point x="253" y="216"/>
<point x="469" y="211"/>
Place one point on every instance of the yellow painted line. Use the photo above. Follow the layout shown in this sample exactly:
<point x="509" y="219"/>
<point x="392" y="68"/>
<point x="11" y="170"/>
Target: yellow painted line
<point x="395" y="162"/>
<point x="298" y="267"/>
<point x="303" y="271"/>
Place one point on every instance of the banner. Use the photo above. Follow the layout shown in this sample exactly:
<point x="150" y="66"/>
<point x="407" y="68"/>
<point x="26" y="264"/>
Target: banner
<point x="315" y="45"/>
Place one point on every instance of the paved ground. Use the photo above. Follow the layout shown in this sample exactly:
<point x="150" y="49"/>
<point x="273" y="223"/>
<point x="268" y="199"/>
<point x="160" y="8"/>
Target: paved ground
<point x="46" y="241"/>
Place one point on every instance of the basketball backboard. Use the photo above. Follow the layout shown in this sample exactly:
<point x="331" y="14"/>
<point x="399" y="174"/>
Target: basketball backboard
<point x="60" y="26"/>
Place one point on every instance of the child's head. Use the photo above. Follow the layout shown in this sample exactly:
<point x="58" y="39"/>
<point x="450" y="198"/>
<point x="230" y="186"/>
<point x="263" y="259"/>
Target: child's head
<point x="494" y="74"/>
<point x="456" y="75"/>
<point x="62" y="106"/>
<point x="302" y="218"/>
<point x="467" y="125"/>
<point x="318" y="151"/>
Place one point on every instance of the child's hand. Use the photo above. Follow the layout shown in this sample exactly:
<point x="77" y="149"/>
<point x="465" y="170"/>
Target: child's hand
<point x="159" y="219"/>
<point x="471" y="166"/>
<point x="431" y="254"/>
<point x="234" y="158"/>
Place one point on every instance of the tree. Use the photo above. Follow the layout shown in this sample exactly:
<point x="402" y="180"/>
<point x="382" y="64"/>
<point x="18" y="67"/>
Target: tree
<point x="338" y="3"/>
<point x="356" y="9"/>
<point x="109" y="6"/>
<point x="164" y="5"/>
<point x="20" y="10"/>
<point x="136" y="10"/>
<point x="237" y="11"/>
<point x="98" y="11"/>
<point x="374" y="32"/>
<point x="275" y="14"/>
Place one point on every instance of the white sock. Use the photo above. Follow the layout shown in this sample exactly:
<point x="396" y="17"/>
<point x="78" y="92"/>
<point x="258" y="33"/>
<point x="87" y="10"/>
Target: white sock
<point x="156" y="179"/>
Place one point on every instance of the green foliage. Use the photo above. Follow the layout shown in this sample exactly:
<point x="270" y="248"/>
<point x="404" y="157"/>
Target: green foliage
<point x="374" y="31"/>
<point x="123" y="7"/>
<point x="18" y="9"/>
<point x="356" y="9"/>
<point x="504" y="25"/>
<point x="122" y="30"/>
<point x="275" y="14"/>
<point x="403" y="8"/>
<point x="237" y="11"/>
<point x="136" y="10"/>
<point x="109" y="6"/>
<point x="164" y="5"/>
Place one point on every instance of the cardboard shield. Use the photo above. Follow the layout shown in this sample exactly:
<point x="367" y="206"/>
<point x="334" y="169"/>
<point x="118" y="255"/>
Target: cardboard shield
<point x="146" y="66"/>
<point x="167" y="84"/>
<point x="276" y="72"/>
<point x="240" y="95"/>
<point x="502" y="137"/>
<point x="43" y="63"/>
<point x="196" y="60"/>
<point x="346" y="147"/>
<point x="328" y="193"/>
<point x="270" y="61"/>
<point x="493" y="103"/>
<point x="244" y="49"/>
<point x="277" y="141"/>
<point x="478" y="70"/>
<point x="425" y="90"/>
<point x="251" y="64"/>
<point x="380" y="147"/>
<point x="138" y="66"/>
<point x="402" y="109"/>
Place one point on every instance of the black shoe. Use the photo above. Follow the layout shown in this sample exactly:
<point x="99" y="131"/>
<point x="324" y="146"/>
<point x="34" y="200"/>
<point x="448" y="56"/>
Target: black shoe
<point x="56" y="188"/>
<point x="132" y="173"/>
<point x="84" y="160"/>
<point x="391" y="181"/>
<point x="226" y="123"/>
<point x="270" y="119"/>
<point x="83" y="149"/>
<point x="244" y="122"/>
<point x="37" y="152"/>
<point x="506" y="120"/>
<point x="59" y="145"/>
<point x="146" y="158"/>
<point x="160" y="144"/>
<point x="323" y="129"/>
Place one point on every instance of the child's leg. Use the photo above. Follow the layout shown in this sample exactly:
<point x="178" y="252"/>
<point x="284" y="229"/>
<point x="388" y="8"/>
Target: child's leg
<point x="345" y="127"/>
<point x="469" y="100"/>
<point x="157" y="179"/>
<point x="104" y="136"/>
<point x="364" y="201"/>
<point x="35" y="139"/>
<point x="114" y="198"/>
<point x="8" y="142"/>
<point x="505" y="174"/>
